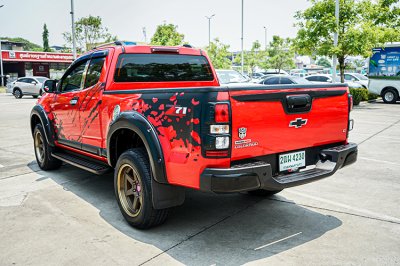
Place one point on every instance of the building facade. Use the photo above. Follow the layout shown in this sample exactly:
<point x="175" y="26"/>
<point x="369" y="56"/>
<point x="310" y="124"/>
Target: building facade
<point x="18" y="63"/>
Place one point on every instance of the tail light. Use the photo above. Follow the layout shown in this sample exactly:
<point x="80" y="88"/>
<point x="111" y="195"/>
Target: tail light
<point x="217" y="135"/>
<point x="221" y="114"/>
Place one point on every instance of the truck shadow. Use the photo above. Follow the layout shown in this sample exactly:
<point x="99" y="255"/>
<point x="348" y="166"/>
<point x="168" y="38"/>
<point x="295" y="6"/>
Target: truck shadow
<point x="230" y="229"/>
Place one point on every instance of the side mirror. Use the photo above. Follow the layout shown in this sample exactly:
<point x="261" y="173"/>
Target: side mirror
<point x="50" y="86"/>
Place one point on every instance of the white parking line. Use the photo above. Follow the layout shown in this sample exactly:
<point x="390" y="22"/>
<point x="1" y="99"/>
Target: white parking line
<point x="351" y="208"/>
<point x="378" y="161"/>
<point x="277" y="241"/>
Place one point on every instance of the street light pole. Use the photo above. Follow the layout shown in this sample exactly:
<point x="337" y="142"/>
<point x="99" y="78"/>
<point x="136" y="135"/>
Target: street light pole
<point x="335" y="40"/>
<point x="266" y="43"/>
<point x="209" y="29"/>
<point x="73" y="30"/>
<point x="1" y="64"/>
<point x="1" y="61"/>
<point x="242" y="63"/>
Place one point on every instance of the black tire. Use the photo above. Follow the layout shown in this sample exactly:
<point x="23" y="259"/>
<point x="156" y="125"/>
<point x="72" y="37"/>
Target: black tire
<point x="133" y="167"/>
<point x="35" y="96"/>
<point x="263" y="192"/>
<point x="43" y="150"/>
<point x="390" y="96"/>
<point x="17" y="93"/>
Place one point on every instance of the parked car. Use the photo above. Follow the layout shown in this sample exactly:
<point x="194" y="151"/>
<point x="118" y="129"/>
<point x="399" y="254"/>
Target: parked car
<point x="264" y="76"/>
<point x="26" y="86"/>
<point x="384" y="74"/>
<point x="299" y="74"/>
<point x="387" y="88"/>
<point x="275" y="71"/>
<point x="257" y="75"/>
<point x="356" y="78"/>
<point x="158" y="117"/>
<point x="283" y="79"/>
<point x="327" y="78"/>
<point x="228" y="76"/>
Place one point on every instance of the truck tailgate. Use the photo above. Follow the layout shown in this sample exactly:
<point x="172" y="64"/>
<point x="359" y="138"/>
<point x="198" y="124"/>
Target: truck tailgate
<point x="281" y="119"/>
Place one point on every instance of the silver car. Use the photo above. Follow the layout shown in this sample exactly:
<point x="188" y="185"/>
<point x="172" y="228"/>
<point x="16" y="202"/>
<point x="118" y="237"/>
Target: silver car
<point x="26" y="86"/>
<point x="228" y="76"/>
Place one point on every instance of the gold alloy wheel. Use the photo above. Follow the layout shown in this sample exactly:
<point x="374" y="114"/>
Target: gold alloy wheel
<point x="129" y="190"/>
<point x="39" y="147"/>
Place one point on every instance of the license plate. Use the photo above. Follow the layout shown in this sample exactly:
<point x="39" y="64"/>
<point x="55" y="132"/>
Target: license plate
<point x="292" y="161"/>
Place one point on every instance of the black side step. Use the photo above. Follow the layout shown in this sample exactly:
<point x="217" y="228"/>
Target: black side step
<point x="87" y="164"/>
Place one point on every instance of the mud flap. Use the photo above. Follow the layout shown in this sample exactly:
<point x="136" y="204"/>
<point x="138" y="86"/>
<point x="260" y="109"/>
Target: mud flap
<point x="166" y="196"/>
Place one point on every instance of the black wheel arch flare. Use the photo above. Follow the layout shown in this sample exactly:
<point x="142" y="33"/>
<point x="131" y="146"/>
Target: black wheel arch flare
<point x="137" y="123"/>
<point x="39" y="112"/>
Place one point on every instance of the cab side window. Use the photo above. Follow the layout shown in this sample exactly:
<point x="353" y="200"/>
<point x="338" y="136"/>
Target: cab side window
<point x="271" y="81"/>
<point x="31" y="81"/>
<point x="285" y="81"/>
<point x="94" y="71"/>
<point x="74" y="78"/>
<point x="348" y="77"/>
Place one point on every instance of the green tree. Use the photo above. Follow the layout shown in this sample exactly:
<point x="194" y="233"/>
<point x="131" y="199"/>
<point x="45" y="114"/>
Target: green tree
<point x="363" y="24"/>
<point x="323" y="61"/>
<point x="89" y="32"/>
<point x="45" y="36"/>
<point x="219" y="54"/>
<point x="280" y="54"/>
<point x="167" y="34"/>
<point x="253" y="58"/>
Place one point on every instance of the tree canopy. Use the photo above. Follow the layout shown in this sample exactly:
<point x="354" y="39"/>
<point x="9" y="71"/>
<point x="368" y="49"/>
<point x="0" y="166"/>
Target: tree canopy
<point x="253" y="58"/>
<point x="323" y="61"/>
<point x="363" y="25"/>
<point x="45" y="36"/>
<point x="219" y="54"/>
<point x="280" y="54"/>
<point x="89" y="31"/>
<point x="167" y="34"/>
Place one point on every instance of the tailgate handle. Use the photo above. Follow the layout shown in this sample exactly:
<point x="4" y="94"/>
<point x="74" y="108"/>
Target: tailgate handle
<point x="298" y="103"/>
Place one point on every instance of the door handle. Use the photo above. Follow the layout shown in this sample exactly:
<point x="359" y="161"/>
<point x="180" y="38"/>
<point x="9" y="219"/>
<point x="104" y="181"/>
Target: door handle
<point x="74" y="100"/>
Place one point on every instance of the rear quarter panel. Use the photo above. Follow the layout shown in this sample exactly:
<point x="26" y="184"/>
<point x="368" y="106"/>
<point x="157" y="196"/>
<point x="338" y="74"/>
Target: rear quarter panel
<point x="179" y="132"/>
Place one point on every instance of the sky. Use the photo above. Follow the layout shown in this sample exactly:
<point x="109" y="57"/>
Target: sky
<point x="126" y="19"/>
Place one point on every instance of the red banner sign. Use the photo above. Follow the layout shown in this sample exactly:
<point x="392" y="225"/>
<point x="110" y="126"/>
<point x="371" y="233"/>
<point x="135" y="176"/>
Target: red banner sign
<point x="18" y="56"/>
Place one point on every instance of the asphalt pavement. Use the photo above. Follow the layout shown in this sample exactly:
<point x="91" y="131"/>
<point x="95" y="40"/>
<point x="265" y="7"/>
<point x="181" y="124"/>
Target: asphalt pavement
<point x="70" y="217"/>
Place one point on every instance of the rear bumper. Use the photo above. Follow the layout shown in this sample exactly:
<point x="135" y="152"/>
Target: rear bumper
<point x="258" y="175"/>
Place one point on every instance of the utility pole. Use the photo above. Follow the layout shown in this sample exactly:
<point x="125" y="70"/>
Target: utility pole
<point x="73" y="30"/>
<point x="209" y="29"/>
<point x="1" y="62"/>
<point x="144" y="34"/>
<point x="265" y="32"/>
<point x="242" y="63"/>
<point x="335" y="41"/>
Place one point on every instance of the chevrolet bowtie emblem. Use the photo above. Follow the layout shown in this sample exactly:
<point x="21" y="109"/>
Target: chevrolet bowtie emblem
<point x="298" y="122"/>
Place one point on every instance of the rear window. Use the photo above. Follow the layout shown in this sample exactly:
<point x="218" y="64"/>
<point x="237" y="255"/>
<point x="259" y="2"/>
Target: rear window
<point x="162" y="67"/>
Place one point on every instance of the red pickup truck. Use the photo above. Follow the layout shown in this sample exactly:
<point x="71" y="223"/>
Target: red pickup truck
<point x="160" y="119"/>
